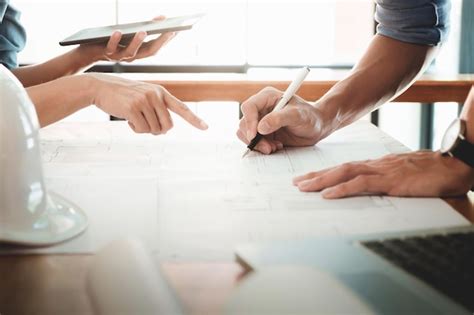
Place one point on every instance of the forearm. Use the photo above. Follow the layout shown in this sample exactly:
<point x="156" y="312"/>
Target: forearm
<point x="69" y="63"/>
<point x="386" y="70"/>
<point x="467" y="114"/>
<point x="59" y="98"/>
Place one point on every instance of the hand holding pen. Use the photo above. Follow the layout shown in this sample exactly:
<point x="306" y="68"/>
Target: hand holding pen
<point x="282" y="120"/>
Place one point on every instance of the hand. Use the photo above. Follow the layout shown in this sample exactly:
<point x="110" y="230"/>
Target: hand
<point x="144" y="105"/>
<point x="136" y="49"/>
<point x="297" y="124"/>
<point x="422" y="173"/>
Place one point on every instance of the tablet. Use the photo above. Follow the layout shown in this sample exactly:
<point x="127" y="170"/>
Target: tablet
<point x="103" y="33"/>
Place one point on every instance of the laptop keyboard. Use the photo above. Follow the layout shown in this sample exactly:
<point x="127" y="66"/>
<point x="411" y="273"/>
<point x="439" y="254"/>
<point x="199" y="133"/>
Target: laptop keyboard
<point x="444" y="261"/>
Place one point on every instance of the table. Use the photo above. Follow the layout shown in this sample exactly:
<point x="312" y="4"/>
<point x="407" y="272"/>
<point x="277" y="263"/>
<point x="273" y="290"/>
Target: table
<point x="195" y="87"/>
<point x="53" y="284"/>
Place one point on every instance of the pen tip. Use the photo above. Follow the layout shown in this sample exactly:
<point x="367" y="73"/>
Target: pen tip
<point x="245" y="153"/>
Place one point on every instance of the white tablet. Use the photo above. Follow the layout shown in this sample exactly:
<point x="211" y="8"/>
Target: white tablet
<point x="103" y="33"/>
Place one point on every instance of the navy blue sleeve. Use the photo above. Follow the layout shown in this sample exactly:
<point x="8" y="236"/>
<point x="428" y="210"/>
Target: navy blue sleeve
<point x="424" y="22"/>
<point x="12" y="35"/>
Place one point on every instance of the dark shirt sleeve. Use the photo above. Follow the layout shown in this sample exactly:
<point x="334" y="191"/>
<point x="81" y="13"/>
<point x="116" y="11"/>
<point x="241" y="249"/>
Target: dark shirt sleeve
<point x="424" y="22"/>
<point x="12" y="35"/>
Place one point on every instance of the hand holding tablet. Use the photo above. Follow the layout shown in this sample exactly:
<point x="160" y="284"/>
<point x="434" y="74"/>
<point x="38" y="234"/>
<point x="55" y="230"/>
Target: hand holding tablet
<point x="126" y="42"/>
<point x="102" y="34"/>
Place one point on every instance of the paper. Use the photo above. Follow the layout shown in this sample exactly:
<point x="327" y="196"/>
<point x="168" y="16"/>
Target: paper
<point x="189" y="195"/>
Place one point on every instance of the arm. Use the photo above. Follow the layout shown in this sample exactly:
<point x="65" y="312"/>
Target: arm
<point x="386" y="70"/>
<point x="145" y="106"/>
<point x="422" y="173"/>
<point x="84" y="56"/>
<point x="63" y="65"/>
<point x="467" y="114"/>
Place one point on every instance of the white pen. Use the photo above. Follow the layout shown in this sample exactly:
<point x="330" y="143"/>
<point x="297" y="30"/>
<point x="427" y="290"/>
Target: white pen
<point x="289" y="93"/>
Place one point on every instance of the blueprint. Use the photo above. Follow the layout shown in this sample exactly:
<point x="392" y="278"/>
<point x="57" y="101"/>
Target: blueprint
<point x="190" y="196"/>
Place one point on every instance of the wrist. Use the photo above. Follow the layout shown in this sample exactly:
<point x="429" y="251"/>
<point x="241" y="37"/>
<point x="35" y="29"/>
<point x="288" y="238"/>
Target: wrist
<point x="329" y="118"/>
<point x="467" y="115"/>
<point x="88" y="85"/>
<point x="460" y="169"/>
<point x="86" y="55"/>
<point x="469" y="135"/>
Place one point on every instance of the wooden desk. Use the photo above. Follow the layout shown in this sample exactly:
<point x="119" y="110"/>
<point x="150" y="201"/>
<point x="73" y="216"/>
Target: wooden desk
<point x="54" y="284"/>
<point x="239" y="87"/>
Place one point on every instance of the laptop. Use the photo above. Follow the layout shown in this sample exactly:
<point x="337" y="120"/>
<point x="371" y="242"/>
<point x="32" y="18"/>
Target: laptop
<point x="421" y="272"/>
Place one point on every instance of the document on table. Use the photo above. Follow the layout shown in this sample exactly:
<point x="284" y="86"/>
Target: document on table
<point x="190" y="196"/>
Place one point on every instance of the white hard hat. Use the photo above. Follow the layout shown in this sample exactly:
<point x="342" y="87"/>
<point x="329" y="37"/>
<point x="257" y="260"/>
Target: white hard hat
<point x="29" y="214"/>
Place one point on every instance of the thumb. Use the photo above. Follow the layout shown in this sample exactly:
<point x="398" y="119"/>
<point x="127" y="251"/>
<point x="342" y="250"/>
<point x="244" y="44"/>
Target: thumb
<point x="276" y="120"/>
<point x="270" y="123"/>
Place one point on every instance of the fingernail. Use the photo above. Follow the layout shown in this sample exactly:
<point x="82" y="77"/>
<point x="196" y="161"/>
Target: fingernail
<point x="203" y="125"/>
<point x="264" y="126"/>
<point x="249" y="135"/>
<point x="304" y="184"/>
<point x="329" y="193"/>
<point x="296" y="181"/>
<point x="142" y="35"/>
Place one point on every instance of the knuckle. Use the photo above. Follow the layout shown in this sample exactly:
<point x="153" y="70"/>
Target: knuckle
<point x="362" y="180"/>
<point x="316" y="182"/>
<point x="249" y="110"/>
<point x="134" y="107"/>
<point x="140" y="98"/>
<point x="150" y="93"/>
<point x="245" y="106"/>
<point x="409" y="161"/>
<point x="238" y="133"/>
<point x="158" y="90"/>
<point x="129" y="54"/>
<point x="342" y="188"/>
<point x="302" y="115"/>
<point x="166" y="126"/>
<point x="184" y="108"/>
<point x="346" y="167"/>
<point x="139" y="129"/>
<point x="267" y="89"/>
<point x="391" y="156"/>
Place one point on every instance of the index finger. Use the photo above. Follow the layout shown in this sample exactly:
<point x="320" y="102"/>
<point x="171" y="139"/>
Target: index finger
<point x="182" y="110"/>
<point x="256" y="106"/>
<point x="113" y="43"/>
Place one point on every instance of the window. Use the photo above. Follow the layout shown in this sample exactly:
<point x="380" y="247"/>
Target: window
<point x="260" y="32"/>
<point x="246" y="34"/>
